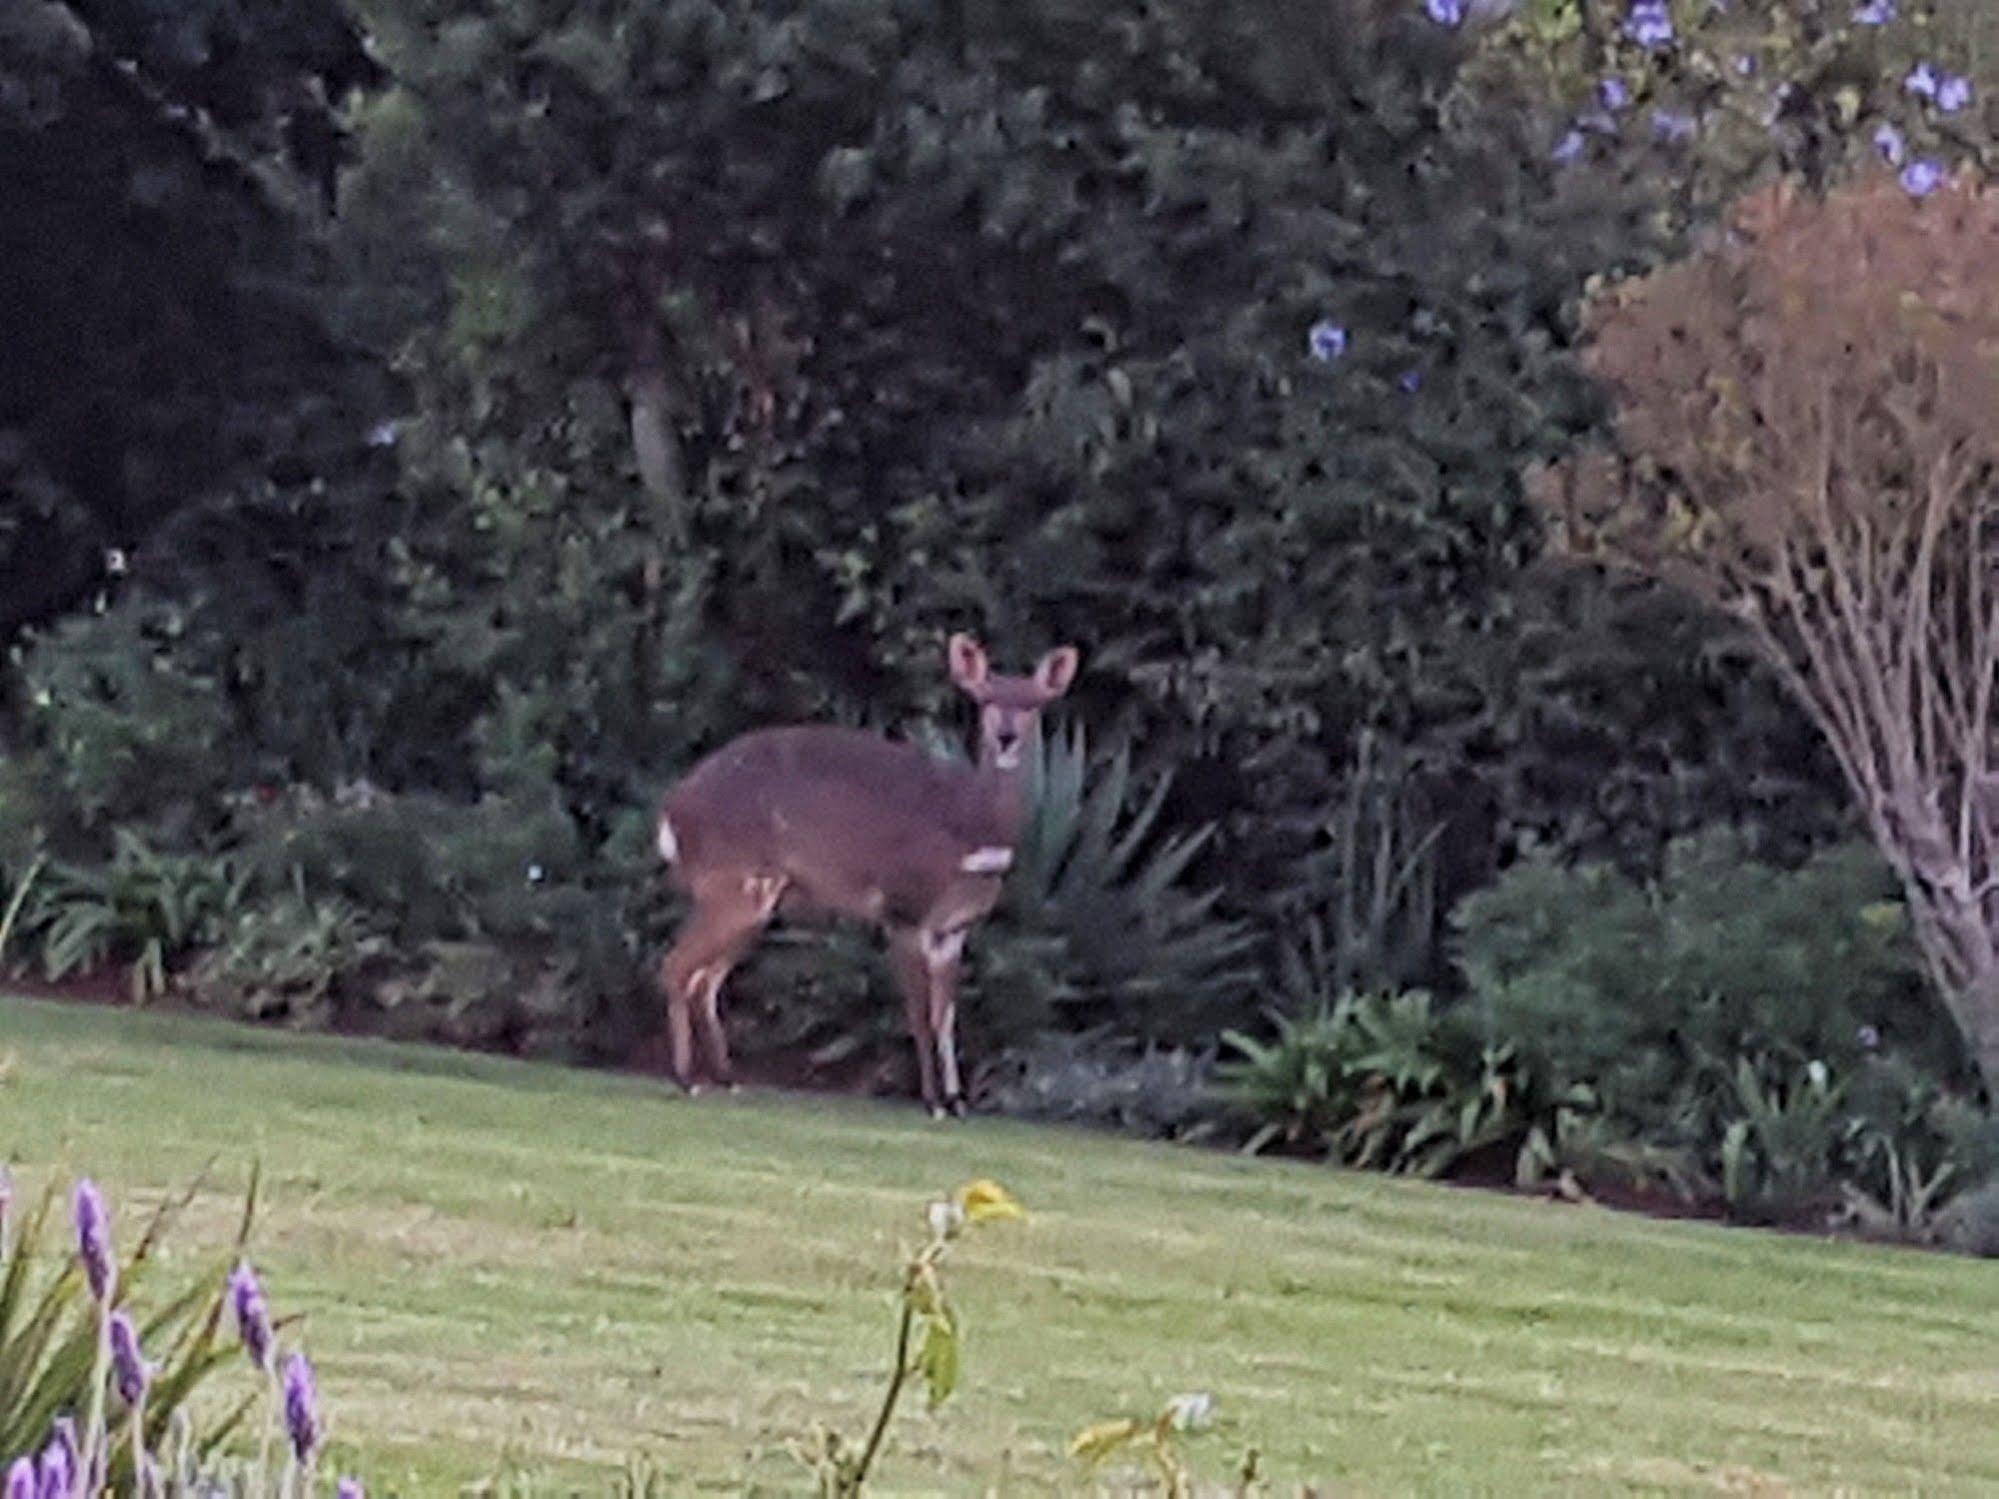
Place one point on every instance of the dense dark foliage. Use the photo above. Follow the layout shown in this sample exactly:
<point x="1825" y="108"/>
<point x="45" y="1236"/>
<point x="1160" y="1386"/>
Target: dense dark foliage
<point x="736" y="352"/>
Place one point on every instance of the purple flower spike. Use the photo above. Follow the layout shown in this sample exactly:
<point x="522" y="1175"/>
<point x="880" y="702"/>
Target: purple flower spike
<point x="55" y="1473"/>
<point x="93" y="1240"/>
<point x="301" y="1407"/>
<point x="60" y="1467"/>
<point x="253" y="1316"/>
<point x="350" y="1488"/>
<point x="21" y="1480"/>
<point x="1953" y="93"/>
<point x="128" y="1364"/>
<point x="1921" y="178"/>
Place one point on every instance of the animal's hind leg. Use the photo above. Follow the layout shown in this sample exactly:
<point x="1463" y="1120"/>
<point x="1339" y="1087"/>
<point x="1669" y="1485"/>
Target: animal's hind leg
<point x="728" y="915"/>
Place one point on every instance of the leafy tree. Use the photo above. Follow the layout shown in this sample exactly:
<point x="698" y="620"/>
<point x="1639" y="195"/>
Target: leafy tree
<point x="1804" y="441"/>
<point x="161" y="338"/>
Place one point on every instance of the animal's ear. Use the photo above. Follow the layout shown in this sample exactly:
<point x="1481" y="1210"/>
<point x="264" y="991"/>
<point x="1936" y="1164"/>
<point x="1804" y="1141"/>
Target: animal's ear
<point x="968" y="664"/>
<point x="1057" y="670"/>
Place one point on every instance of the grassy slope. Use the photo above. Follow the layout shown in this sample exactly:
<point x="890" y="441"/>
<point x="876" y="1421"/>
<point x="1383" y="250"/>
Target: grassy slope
<point x="511" y="1267"/>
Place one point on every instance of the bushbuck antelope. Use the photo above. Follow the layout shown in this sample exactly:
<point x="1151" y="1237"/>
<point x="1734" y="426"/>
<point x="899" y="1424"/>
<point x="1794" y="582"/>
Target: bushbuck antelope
<point x="836" y="820"/>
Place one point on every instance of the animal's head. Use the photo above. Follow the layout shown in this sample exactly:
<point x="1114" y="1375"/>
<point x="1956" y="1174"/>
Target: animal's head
<point x="1009" y="707"/>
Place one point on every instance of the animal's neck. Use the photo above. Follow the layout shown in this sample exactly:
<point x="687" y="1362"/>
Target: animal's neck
<point x="1004" y="791"/>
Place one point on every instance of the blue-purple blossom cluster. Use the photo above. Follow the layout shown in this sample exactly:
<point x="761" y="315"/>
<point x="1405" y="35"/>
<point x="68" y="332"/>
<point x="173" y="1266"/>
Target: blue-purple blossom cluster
<point x="55" y="1473"/>
<point x="93" y="1240"/>
<point x="1326" y="341"/>
<point x="64" y="1469"/>
<point x="1446" y="12"/>
<point x="1650" y="24"/>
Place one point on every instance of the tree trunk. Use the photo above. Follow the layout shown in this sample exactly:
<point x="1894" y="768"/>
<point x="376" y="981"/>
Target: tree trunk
<point x="657" y="446"/>
<point x="1959" y="947"/>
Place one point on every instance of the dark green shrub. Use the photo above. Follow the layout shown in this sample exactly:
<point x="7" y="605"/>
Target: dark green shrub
<point x="486" y="924"/>
<point x="1736" y="1030"/>
<point x="284" y="957"/>
<point x="1633" y="987"/>
<point x="1389" y="1081"/>
<point x="143" y="908"/>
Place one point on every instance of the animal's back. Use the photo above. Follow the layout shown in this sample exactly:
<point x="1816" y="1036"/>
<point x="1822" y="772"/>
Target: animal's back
<point x="812" y="798"/>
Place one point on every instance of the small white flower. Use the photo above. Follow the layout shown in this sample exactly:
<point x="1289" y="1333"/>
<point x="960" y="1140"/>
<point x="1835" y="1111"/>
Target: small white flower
<point x="536" y="874"/>
<point x="946" y="1218"/>
<point x="116" y="562"/>
<point x="1190" y="1412"/>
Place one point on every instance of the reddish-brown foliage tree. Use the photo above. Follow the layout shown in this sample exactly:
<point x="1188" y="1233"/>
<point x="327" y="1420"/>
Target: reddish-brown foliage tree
<point x="1807" y="437"/>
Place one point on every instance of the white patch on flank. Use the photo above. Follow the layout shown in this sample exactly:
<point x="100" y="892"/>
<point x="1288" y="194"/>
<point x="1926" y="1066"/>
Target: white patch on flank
<point x="997" y="859"/>
<point x="669" y="846"/>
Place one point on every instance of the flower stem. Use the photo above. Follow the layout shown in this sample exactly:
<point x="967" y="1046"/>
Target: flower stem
<point x="860" y="1473"/>
<point x="96" y="1447"/>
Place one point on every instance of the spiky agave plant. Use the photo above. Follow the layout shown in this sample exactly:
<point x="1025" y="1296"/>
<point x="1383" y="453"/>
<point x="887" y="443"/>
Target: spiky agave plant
<point x="1099" y="924"/>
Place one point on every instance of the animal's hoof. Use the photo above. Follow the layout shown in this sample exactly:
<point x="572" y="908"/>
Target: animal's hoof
<point x="938" y="1111"/>
<point x="734" y="1089"/>
<point x="958" y="1107"/>
<point x="693" y="1089"/>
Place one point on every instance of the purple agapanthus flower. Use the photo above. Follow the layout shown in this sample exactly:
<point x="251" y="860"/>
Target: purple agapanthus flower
<point x="21" y="1480"/>
<point x="1922" y="80"/>
<point x="59" y="1470"/>
<point x="1921" y="178"/>
<point x="1875" y="13"/>
<point x="1569" y="147"/>
<point x="301" y="1407"/>
<point x="1613" y="94"/>
<point x="1446" y="12"/>
<point x="93" y="1239"/>
<point x="1953" y="93"/>
<point x="128" y="1363"/>
<point x="1326" y="341"/>
<point x="253" y="1315"/>
<point x="1671" y="125"/>
<point x="1889" y="142"/>
<point x="1650" y="24"/>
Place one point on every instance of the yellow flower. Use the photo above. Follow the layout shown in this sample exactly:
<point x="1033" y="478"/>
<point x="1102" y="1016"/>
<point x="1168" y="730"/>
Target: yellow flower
<point x="986" y="1201"/>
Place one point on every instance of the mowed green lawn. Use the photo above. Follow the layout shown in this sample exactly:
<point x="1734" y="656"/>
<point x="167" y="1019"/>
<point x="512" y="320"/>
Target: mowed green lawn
<point x="534" y="1274"/>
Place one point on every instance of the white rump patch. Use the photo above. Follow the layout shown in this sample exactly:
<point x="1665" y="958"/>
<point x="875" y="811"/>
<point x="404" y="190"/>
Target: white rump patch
<point x="997" y="859"/>
<point x="669" y="846"/>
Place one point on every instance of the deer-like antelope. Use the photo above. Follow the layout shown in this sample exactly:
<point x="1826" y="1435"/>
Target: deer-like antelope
<point x="837" y="820"/>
